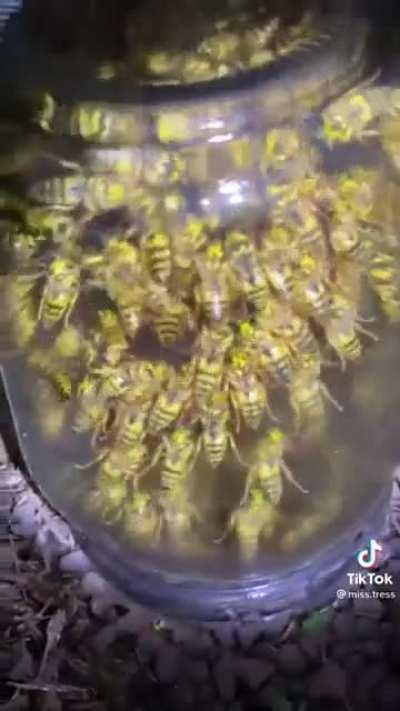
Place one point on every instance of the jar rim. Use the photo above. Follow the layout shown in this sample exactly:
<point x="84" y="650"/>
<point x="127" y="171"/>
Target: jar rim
<point x="342" y="49"/>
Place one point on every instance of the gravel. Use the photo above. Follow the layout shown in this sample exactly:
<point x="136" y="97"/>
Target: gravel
<point x="371" y="608"/>
<point x="291" y="660"/>
<point x="168" y="664"/>
<point x="366" y="628"/>
<point x="344" y="657"/>
<point x="389" y="694"/>
<point x="225" y="678"/>
<point x="329" y="682"/>
<point x="343" y="626"/>
<point x="254" y="672"/>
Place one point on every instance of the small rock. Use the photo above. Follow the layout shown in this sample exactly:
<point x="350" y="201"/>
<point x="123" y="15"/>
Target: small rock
<point x="254" y="672"/>
<point x="196" y="670"/>
<point x="25" y="527"/>
<point x="386" y="629"/>
<point x="167" y="665"/>
<point x="223" y="633"/>
<point x="150" y="642"/>
<point x="367" y="628"/>
<point x="343" y="626"/>
<point x="344" y="603"/>
<point x="104" y="595"/>
<point x="340" y="650"/>
<point x="136" y="619"/>
<point x="290" y="632"/>
<point x="104" y="638"/>
<point x="224" y="675"/>
<point x="181" y="631"/>
<point x="236" y="706"/>
<point x="367" y="683"/>
<point x="54" y="538"/>
<point x="204" y="694"/>
<point x="182" y="696"/>
<point x="373" y="649"/>
<point x="291" y="660"/>
<point x="295" y="686"/>
<point x="213" y="654"/>
<point x="371" y="608"/>
<point x="330" y="681"/>
<point x="354" y="663"/>
<point x="263" y="650"/>
<point x="274" y="625"/>
<point x="274" y="696"/>
<point x="249" y="633"/>
<point x="389" y="694"/>
<point x="197" y="647"/>
<point x="75" y="562"/>
<point x="311" y="648"/>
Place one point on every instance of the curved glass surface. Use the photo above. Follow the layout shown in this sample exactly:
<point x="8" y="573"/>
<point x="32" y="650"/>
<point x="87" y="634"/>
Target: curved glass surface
<point x="202" y="300"/>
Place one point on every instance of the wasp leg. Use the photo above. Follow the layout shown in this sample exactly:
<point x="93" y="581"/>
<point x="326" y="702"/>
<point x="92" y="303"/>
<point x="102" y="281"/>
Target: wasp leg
<point x="228" y="528"/>
<point x="366" y="332"/>
<point x="41" y="305"/>
<point x="290" y="476"/>
<point x="154" y="459"/>
<point x="245" y="495"/>
<point x="236" y="410"/>
<point x="70" y="310"/>
<point x="272" y="416"/>
<point x="236" y="451"/>
<point x="195" y="456"/>
<point x="330" y="397"/>
<point x="97" y="459"/>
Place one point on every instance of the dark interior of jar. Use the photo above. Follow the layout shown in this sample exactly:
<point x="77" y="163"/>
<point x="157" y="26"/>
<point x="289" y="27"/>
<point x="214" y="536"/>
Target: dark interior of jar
<point x="155" y="24"/>
<point x="77" y="38"/>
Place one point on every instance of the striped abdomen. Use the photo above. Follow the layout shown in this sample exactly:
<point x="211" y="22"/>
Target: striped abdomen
<point x="208" y="377"/>
<point x="215" y="443"/>
<point x="345" y="343"/>
<point x="175" y="468"/>
<point x="258" y="294"/>
<point x="133" y="430"/>
<point x="158" y="247"/>
<point x="277" y="359"/>
<point x="252" y="412"/>
<point x="252" y="401"/>
<point x="166" y="409"/>
<point x="170" y="325"/>
<point x="136" y="458"/>
<point x="317" y="297"/>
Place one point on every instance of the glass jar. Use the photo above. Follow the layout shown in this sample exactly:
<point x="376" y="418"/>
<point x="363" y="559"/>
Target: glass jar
<point x="191" y="268"/>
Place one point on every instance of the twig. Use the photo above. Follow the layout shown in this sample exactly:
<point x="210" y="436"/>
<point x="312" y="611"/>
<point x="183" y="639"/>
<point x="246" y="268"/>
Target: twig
<point x="42" y="685"/>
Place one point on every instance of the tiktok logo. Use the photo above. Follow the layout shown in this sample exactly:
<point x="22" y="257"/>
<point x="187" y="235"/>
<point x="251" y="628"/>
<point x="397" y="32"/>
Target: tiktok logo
<point x="369" y="557"/>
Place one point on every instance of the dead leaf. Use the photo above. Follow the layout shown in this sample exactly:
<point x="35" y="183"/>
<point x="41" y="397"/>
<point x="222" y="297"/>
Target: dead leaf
<point x="54" y="631"/>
